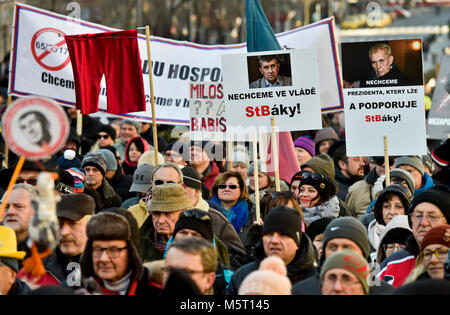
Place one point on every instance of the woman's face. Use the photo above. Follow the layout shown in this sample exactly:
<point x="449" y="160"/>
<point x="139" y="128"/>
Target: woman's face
<point x="309" y="196"/>
<point x="133" y="153"/>
<point x="392" y="207"/>
<point x="434" y="256"/>
<point x="302" y="155"/>
<point x="229" y="194"/>
<point x="263" y="181"/>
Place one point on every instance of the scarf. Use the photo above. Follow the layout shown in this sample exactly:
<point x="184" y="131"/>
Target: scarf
<point x="237" y="215"/>
<point x="328" y="209"/>
<point x="120" y="285"/>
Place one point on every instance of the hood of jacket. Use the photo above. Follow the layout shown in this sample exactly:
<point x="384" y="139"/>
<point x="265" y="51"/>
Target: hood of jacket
<point x="144" y="143"/>
<point x="398" y="222"/>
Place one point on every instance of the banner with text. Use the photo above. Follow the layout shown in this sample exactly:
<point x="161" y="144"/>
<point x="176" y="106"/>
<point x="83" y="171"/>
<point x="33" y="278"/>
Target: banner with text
<point x="40" y="63"/>
<point x="384" y="96"/>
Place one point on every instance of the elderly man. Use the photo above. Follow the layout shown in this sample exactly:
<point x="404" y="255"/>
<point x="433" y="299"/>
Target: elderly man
<point x="9" y="264"/>
<point x="282" y="237"/>
<point x="269" y="67"/>
<point x="414" y="165"/>
<point x="428" y="209"/>
<point x="168" y="201"/>
<point x="62" y="266"/>
<point x="94" y="164"/>
<point x="129" y="129"/>
<point x="19" y="211"/>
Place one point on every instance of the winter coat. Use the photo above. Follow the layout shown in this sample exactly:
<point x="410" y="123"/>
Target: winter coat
<point x="149" y="250"/>
<point x="427" y="182"/>
<point x="301" y="267"/>
<point x="328" y="209"/>
<point x="128" y="166"/>
<point x="139" y="211"/>
<point x="108" y="195"/>
<point x="121" y="183"/>
<point x="360" y="194"/>
<point x="130" y="202"/>
<point x="148" y="136"/>
<point x="19" y="288"/>
<point x="398" y="225"/>
<point x="343" y="183"/>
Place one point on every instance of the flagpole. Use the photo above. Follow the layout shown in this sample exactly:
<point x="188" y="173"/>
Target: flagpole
<point x="152" y="97"/>
<point x="256" y="177"/>
<point x="230" y="155"/>
<point x="275" y="155"/>
<point x="79" y="127"/>
<point x="6" y="145"/>
<point x="386" y="162"/>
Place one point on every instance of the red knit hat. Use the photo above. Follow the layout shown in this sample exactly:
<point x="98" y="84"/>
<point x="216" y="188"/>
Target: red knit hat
<point x="435" y="236"/>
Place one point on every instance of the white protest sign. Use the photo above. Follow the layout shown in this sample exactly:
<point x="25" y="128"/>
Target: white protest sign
<point x="383" y="98"/>
<point x="39" y="63"/>
<point x="294" y="101"/>
<point x="207" y="111"/>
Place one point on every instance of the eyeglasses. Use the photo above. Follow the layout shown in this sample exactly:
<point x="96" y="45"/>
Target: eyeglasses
<point x="196" y="214"/>
<point x="102" y="136"/>
<point x="168" y="270"/>
<point x="287" y="194"/>
<point x="31" y="181"/>
<point x="223" y="186"/>
<point x="172" y="155"/>
<point x="441" y="254"/>
<point x="162" y="182"/>
<point x="345" y="280"/>
<point x="112" y="252"/>
<point x="393" y="247"/>
<point x="417" y="217"/>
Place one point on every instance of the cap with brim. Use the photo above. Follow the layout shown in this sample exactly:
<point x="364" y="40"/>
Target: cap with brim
<point x="142" y="178"/>
<point x="75" y="206"/>
<point x="10" y="262"/>
<point x="8" y="244"/>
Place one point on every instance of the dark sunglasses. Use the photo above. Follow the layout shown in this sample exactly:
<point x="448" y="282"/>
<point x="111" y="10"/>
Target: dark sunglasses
<point x="161" y="182"/>
<point x="223" y="186"/>
<point x="202" y="216"/>
<point x="287" y="194"/>
<point x="31" y="181"/>
<point x="315" y="176"/>
<point x="102" y="136"/>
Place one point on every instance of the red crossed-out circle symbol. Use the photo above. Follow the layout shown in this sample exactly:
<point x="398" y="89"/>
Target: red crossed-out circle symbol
<point x="49" y="48"/>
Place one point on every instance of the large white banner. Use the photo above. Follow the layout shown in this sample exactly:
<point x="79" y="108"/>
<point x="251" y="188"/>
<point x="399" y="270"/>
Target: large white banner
<point x="40" y="63"/>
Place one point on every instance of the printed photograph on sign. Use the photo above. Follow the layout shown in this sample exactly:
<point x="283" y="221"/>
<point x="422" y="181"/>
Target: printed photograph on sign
<point x="382" y="63"/>
<point x="269" y="71"/>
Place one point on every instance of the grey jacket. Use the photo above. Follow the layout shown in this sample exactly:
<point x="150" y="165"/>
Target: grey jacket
<point x="261" y="83"/>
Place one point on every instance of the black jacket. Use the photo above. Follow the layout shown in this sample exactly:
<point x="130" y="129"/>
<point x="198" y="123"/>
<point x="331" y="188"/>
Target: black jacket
<point x="148" y="250"/>
<point x="301" y="267"/>
<point x="19" y="288"/>
<point x="122" y="183"/>
<point x="393" y="78"/>
<point x="343" y="182"/>
<point x="108" y="195"/>
<point x="56" y="265"/>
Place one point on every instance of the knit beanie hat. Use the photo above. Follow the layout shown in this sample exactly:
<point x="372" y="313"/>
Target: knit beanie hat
<point x="270" y="279"/>
<point x="400" y="191"/>
<point x="349" y="228"/>
<point x="306" y="143"/>
<point x="351" y="261"/>
<point x="251" y="169"/>
<point x="285" y="220"/>
<point x="107" y="226"/>
<point x="109" y="130"/>
<point x="406" y="176"/>
<point x="322" y="164"/>
<point x="111" y="161"/>
<point x="169" y="198"/>
<point x="68" y="160"/>
<point x="413" y="161"/>
<point x="197" y="220"/>
<point x="191" y="178"/>
<point x="435" y="236"/>
<point x="317" y="227"/>
<point x="95" y="159"/>
<point x="79" y="177"/>
<point x="428" y="162"/>
<point x="441" y="154"/>
<point x="438" y="195"/>
<point x="321" y="182"/>
<point x="65" y="182"/>
<point x="327" y="133"/>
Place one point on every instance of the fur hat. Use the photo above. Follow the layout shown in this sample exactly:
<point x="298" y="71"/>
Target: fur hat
<point x="285" y="220"/>
<point x="96" y="159"/>
<point x="413" y="161"/>
<point x="169" y="198"/>
<point x="107" y="226"/>
<point x="400" y="191"/>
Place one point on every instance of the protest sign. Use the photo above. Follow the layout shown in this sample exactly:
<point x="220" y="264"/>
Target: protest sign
<point x="438" y="126"/>
<point x="207" y="111"/>
<point x="294" y="101"/>
<point x="384" y="96"/>
<point x="39" y="63"/>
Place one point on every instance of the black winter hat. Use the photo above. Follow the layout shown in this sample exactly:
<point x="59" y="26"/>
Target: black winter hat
<point x="317" y="227"/>
<point x="441" y="154"/>
<point x="284" y="220"/>
<point x="191" y="178"/>
<point x="399" y="190"/>
<point x="197" y="220"/>
<point x="109" y="130"/>
<point x="75" y="206"/>
<point x="321" y="182"/>
<point x="438" y="195"/>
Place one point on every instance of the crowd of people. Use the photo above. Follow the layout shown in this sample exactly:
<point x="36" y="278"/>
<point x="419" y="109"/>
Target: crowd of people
<point x="183" y="221"/>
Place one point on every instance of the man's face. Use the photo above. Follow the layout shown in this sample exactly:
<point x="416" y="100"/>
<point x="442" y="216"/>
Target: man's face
<point x="280" y="245"/>
<point x="381" y="62"/>
<point x="337" y="244"/>
<point x="72" y="236"/>
<point x="19" y="211"/>
<point x="269" y="69"/>
<point x="337" y="281"/>
<point x="192" y="264"/>
<point x="93" y="176"/>
<point x="28" y="176"/>
<point x="198" y="156"/>
<point x="32" y="128"/>
<point x="241" y="169"/>
<point x="415" y="173"/>
<point x="107" y="267"/>
<point x="165" y="174"/>
<point x="354" y="167"/>
<point x="164" y="222"/>
<point x="263" y="181"/>
<point x="7" y="278"/>
<point x="424" y="217"/>
<point x="174" y="157"/>
<point x="192" y="195"/>
<point x="127" y="132"/>
<point x="187" y="233"/>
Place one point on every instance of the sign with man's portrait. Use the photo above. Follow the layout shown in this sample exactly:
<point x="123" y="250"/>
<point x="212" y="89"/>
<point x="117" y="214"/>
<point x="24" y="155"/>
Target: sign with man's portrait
<point x="35" y="127"/>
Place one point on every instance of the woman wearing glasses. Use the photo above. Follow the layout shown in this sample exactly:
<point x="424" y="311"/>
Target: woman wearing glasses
<point x="433" y="253"/>
<point x="393" y="237"/>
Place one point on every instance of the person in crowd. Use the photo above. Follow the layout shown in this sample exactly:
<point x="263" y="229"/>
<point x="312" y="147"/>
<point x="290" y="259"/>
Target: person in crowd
<point x="203" y="159"/>
<point x="133" y="151"/>
<point x="148" y="157"/>
<point x="282" y="237"/>
<point x="270" y="279"/>
<point x="433" y="253"/>
<point x="73" y="212"/>
<point x="324" y="138"/>
<point x="441" y="160"/>
<point x="230" y="193"/>
<point x="94" y="165"/>
<point x="427" y="164"/>
<point x="304" y="149"/>
<point x="241" y="161"/>
<point x="106" y="136"/>
<point x="112" y="260"/>
<point x="393" y="238"/>
<point x="394" y="200"/>
<point x="315" y="232"/>
<point x="129" y="129"/>
<point x="428" y="209"/>
<point x="197" y="257"/>
<point x="120" y="182"/>
<point x="9" y="264"/>
<point x="414" y="165"/>
<point x="141" y="185"/>
<point x="174" y="152"/>
<point x="147" y="134"/>
<point x="167" y="203"/>
<point x="90" y="125"/>
<point x="345" y="273"/>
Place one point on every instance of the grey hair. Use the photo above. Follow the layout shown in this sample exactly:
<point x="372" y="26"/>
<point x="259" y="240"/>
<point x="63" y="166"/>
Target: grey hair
<point x="378" y="47"/>
<point x="168" y="164"/>
<point x="33" y="193"/>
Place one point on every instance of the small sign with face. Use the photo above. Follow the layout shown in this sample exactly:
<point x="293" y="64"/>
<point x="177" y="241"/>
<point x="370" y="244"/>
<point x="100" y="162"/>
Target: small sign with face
<point x="35" y="127"/>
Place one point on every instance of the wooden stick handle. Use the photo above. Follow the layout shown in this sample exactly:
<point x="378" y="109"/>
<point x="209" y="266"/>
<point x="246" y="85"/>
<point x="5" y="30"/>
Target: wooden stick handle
<point x="275" y="155"/>
<point x="255" y="176"/>
<point x="386" y="161"/>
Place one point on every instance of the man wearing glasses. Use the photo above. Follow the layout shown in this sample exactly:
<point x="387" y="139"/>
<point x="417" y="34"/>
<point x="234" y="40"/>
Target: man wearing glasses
<point x="429" y="209"/>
